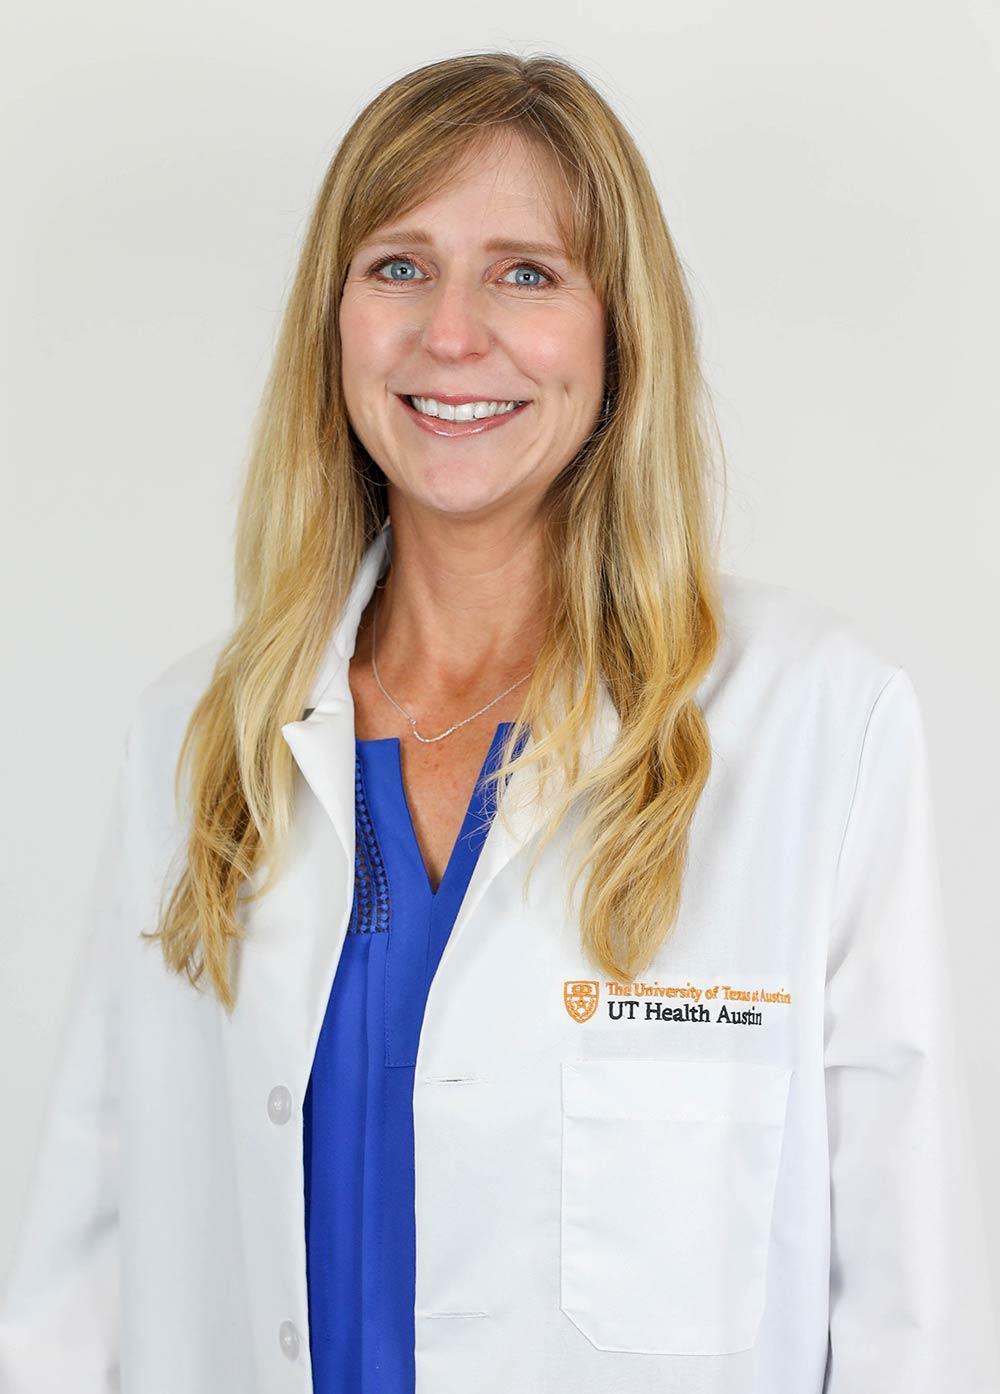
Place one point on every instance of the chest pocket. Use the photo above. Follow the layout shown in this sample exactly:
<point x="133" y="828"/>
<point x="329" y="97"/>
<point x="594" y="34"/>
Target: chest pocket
<point x="668" y="1178"/>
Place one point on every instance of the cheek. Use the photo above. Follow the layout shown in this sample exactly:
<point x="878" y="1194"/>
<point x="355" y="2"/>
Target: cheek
<point x="366" y="339"/>
<point x="569" y="354"/>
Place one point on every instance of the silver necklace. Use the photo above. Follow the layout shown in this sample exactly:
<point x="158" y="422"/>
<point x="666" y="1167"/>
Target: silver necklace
<point x="429" y="740"/>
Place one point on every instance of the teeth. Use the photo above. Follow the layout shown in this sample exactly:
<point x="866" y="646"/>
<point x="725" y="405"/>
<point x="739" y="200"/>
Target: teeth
<point x="468" y="411"/>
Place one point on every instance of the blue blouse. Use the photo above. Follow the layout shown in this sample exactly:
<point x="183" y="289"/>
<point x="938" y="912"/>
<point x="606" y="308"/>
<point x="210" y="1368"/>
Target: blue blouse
<point x="358" y="1108"/>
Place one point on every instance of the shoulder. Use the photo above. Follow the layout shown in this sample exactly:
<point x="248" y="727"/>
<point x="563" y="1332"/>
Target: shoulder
<point x="768" y="619"/>
<point x="175" y="690"/>
<point x="145" y="823"/>
<point x="787" y="656"/>
<point x="160" y="716"/>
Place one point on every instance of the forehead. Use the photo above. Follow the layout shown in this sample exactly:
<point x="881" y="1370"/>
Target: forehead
<point x="503" y="193"/>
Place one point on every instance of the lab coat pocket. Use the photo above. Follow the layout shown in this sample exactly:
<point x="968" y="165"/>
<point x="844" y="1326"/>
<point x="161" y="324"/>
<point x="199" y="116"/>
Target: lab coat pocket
<point x="668" y="1178"/>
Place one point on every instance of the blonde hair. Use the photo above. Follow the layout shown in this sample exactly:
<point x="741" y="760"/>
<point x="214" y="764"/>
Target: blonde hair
<point x="631" y="568"/>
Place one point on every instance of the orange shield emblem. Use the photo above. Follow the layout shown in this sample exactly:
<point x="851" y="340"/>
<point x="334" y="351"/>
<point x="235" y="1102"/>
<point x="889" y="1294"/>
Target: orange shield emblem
<point x="580" y="999"/>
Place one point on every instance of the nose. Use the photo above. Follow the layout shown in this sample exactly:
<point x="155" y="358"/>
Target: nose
<point x="456" y="319"/>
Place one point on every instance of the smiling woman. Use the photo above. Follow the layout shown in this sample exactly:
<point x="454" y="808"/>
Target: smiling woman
<point x="501" y="351"/>
<point x="365" y="1095"/>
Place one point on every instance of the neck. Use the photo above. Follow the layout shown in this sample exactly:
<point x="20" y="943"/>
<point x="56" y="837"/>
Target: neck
<point x="461" y="611"/>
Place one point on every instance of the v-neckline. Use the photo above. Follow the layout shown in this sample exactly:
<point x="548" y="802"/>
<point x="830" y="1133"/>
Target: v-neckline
<point x="473" y="807"/>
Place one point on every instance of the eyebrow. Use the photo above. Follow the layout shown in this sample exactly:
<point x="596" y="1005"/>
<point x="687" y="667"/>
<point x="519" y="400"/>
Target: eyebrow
<point x="418" y="237"/>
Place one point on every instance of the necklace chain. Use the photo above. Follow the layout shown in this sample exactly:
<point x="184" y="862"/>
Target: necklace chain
<point x="429" y="740"/>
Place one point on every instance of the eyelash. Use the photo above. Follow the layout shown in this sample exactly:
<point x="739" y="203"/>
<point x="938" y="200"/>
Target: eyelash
<point x="385" y="261"/>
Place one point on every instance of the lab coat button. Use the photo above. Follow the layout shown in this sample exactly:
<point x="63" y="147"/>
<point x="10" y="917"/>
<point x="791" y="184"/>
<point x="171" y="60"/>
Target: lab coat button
<point x="289" y="1338"/>
<point x="279" y="1105"/>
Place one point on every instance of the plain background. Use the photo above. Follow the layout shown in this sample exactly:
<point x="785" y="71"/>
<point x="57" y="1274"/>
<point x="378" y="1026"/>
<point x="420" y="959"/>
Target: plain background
<point x="828" y="175"/>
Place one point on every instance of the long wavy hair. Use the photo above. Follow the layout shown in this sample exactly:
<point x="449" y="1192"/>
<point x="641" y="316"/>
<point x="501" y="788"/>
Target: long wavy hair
<point x="630" y="548"/>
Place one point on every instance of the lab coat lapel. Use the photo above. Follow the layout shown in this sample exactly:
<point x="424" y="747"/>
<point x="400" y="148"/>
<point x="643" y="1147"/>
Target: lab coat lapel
<point x="526" y="816"/>
<point x="322" y="741"/>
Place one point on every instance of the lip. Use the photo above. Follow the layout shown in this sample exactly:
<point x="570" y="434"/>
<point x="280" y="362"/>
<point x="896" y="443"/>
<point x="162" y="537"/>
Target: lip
<point x="436" y="427"/>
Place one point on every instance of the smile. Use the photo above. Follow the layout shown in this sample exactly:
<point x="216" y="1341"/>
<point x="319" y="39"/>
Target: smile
<point x="439" y="427"/>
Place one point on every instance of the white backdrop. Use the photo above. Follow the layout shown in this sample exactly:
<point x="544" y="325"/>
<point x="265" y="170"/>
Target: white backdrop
<point x="829" y="177"/>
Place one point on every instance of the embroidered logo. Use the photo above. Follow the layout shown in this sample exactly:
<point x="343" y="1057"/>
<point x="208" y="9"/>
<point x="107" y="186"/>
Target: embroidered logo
<point x="709" y="1003"/>
<point x="580" y="999"/>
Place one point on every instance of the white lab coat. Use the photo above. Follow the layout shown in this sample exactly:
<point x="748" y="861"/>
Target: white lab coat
<point x="751" y="1173"/>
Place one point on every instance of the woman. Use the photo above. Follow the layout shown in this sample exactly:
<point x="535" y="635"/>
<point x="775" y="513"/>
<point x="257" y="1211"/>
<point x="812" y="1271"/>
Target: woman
<point x="548" y="988"/>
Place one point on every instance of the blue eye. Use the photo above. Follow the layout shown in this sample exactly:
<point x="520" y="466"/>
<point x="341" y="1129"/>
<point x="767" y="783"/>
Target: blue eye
<point x="394" y="261"/>
<point x="535" y="271"/>
<point x="520" y="266"/>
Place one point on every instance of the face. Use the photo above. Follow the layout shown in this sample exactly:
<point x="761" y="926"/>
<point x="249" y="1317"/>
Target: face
<point x="451" y="313"/>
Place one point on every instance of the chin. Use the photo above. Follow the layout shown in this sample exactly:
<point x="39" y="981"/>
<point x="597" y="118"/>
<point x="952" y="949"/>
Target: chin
<point x="467" y="500"/>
